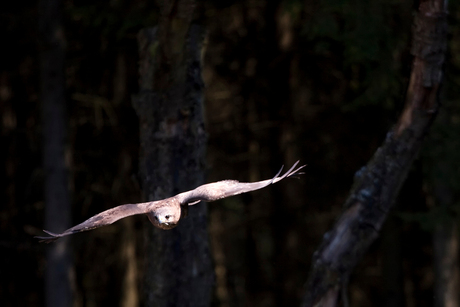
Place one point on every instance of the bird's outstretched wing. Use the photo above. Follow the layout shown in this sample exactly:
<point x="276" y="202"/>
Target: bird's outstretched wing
<point x="104" y="218"/>
<point x="207" y="192"/>
<point x="221" y="189"/>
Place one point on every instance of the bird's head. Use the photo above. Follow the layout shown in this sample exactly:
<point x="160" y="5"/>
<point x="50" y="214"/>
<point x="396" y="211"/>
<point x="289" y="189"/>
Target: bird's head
<point x="165" y="217"/>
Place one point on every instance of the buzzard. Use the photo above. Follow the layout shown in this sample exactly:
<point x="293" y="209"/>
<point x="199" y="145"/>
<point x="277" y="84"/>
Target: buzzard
<point x="166" y="213"/>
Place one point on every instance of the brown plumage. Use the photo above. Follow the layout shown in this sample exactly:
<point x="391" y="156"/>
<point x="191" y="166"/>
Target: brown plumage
<point x="166" y="213"/>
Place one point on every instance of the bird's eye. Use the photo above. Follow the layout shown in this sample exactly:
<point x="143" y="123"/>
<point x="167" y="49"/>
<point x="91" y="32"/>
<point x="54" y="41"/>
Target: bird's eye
<point x="167" y="217"/>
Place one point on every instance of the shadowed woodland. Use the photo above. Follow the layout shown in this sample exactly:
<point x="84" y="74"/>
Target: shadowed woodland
<point x="265" y="83"/>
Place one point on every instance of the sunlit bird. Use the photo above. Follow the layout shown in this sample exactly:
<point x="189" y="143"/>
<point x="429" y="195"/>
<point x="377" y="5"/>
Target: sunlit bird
<point x="166" y="213"/>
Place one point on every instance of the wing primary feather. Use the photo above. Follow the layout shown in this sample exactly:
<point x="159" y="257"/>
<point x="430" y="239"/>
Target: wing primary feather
<point x="206" y="192"/>
<point x="51" y="233"/>
<point x="289" y="173"/>
<point x="53" y="237"/>
<point x="226" y="188"/>
<point x="102" y="219"/>
<point x="279" y="172"/>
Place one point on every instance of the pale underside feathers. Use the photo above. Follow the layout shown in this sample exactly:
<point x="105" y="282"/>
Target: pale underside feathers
<point x="166" y="213"/>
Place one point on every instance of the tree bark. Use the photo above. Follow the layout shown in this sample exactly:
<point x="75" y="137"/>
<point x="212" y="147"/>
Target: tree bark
<point x="392" y="263"/>
<point x="58" y="290"/>
<point x="442" y="194"/>
<point x="377" y="185"/>
<point x="179" y="269"/>
<point x="129" y="295"/>
<point x="445" y="241"/>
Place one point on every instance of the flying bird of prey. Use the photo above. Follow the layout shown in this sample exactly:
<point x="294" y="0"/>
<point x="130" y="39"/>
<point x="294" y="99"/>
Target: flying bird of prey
<point x="166" y="213"/>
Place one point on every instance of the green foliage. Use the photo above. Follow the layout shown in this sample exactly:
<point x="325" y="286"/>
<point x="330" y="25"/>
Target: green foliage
<point x="117" y="19"/>
<point x="441" y="150"/>
<point x="370" y="39"/>
<point x="430" y="219"/>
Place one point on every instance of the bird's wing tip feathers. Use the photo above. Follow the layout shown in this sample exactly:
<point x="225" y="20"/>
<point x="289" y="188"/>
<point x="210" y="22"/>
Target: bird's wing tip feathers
<point x="53" y="237"/>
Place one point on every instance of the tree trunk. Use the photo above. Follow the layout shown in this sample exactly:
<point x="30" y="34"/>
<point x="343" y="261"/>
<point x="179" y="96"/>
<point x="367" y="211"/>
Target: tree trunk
<point x="445" y="250"/>
<point x="179" y="269"/>
<point x="377" y="185"/>
<point x="392" y="263"/>
<point x="129" y="295"/>
<point x="57" y="210"/>
<point x="441" y="170"/>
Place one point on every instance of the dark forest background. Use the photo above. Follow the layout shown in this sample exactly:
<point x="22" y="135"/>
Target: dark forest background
<point x="319" y="81"/>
